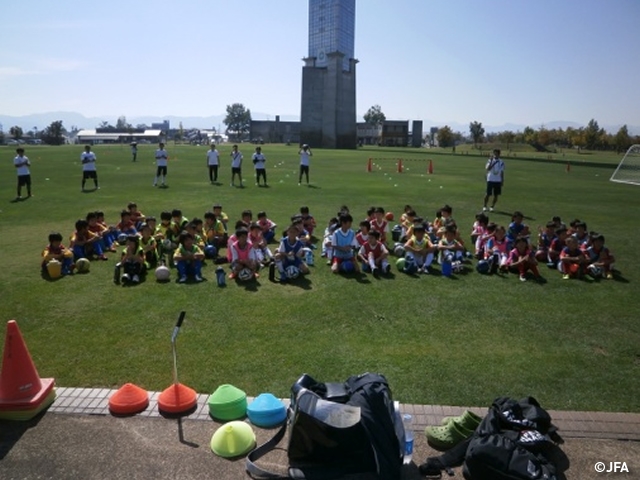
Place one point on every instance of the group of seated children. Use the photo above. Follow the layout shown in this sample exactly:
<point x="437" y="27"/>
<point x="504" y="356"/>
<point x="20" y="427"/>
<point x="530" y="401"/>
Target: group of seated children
<point x="183" y="243"/>
<point x="573" y="250"/>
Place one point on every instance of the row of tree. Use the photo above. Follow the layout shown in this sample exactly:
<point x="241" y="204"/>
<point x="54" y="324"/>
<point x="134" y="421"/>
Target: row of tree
<point x="54" y="134"/>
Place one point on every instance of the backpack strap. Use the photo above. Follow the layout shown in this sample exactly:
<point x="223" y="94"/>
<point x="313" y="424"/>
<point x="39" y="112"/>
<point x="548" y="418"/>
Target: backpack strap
<point x="258" y="472"/>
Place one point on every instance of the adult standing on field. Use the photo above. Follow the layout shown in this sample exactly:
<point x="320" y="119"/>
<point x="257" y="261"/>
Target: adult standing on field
<point x="22" y="164"/>
<point x="236" y="165"/>
<point x="213" y="161"/>
<point x="495" y="179"/>
<point x="161" y="165"/>
<point x="259" y="161"/>
<point x="305" y="153"/>
<point x="134" y="151"/>
<point x="88" y="160"/>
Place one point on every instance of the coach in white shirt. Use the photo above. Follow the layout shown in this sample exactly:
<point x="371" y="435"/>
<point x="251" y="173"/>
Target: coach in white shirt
<point x="495" y="179"/>
<point x="213" y="161"/>
<point x="236" y="165"/>
<point x="161" y="165"/>
<point x="88" y="159"/>
<point x="259" y="161"/>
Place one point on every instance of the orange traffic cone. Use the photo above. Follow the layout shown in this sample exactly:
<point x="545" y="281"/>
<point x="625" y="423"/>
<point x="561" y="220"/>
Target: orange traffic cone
<point x="568" y="169"/>
<point x="21" y="389"/>
<point x="430" y="169"/>
<point x="399" y="165"/>
<point x="128" y="400"/>
<point x="369" y="165"/>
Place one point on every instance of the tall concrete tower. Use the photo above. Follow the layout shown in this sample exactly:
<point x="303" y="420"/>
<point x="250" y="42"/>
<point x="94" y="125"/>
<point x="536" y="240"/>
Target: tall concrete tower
<point x="328" y="111"/>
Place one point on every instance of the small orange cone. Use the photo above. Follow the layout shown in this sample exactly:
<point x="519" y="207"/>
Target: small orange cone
<point x="568" y="169"/>
<point x="177" y="398"/>
<point x="369" y="165"/>
<point x="20" y="386"/>
<point x="399" y="165"/>
<point x="430" y="169"/>
<point x="128" y="400"/>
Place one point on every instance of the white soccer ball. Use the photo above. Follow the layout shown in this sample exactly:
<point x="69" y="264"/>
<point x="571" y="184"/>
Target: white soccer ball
<point x="292" y="272"/>
<point x="595" y="271"/>
<point x="245" y="274"/>
<point x="122" y="238"/>
<point x="83" y="265"/>
<point x="163" y="273"/>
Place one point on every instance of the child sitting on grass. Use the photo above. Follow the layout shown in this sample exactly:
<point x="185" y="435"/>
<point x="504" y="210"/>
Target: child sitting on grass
<point x="522" y="258"/>
<point x="545" y="238"/>
<point x="131" y="262"/>
<point x="290" y="253"/>
<point x="599" y="258"/>
<point x="242" y="254"/>
<point x="373" y="254"/>
<point x="56" y="252"/>
<point x="267" y="226"/>
<point x="572" y="260"/>
<point x="419" y="249"/>
<point x="188" y="258"/>
<point x="496" y="251"/>
<point x="343" y="243"/>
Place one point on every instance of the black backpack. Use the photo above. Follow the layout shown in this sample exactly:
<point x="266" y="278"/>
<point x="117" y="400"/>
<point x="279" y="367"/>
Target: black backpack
<point x="514" y="441"/>
<point x="338" y="429"/>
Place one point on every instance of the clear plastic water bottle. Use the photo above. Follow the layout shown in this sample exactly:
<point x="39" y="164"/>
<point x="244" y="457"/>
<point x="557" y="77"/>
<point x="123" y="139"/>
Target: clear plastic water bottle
<point x="407" y="421"/>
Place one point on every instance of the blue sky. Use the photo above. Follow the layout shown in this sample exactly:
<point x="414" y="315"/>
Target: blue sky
<point x="493" y="61"/>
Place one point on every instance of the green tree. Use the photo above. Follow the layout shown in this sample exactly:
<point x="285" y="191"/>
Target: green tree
<point x="374" y="116"/>
<point x="591" y="134"/>
<point x="445" y="136"/>
<point x="622" y="140"/>
<point x="54" y="133"/>
<point x="238" y="120"/>
<point x="15" y="132"/>
<point x="122" y="124"/>
<point x="477" y="132"/>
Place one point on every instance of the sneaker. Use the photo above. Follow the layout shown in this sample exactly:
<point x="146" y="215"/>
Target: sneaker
<point x="103" y="257"/>
<point x="198" y="278"/>
<point x="566" y="276"/>
<point x="299" y="184"/>
<point x="484" y="209"/>
<point x="491" y="209"/>
<point x="232" y="185"/>
<point x="283" y="278"/>
<point x="135" y="279"/>
<point x="387" y="269"/>
<point x="551" y="264"/>
<point x="182" y="279"/>
<point x="256" y="275"/>
<point x="523" y="278"/>
<point x="609" y="276"/>
<point x="155" y="184"/>
<point x="125" y="278"/>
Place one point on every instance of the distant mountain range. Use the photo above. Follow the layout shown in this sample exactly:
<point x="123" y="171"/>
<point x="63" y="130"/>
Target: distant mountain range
<point x="71" y="119"/>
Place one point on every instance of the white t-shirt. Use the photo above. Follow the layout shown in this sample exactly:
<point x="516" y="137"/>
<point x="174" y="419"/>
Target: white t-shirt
<point x="304" y="158"/>
<point x="161" y="157"/>
<point x="88" y="160"/>
<point x="23" y="163"/>
<point x="495" y="167"/>
<point x="236" y="159"/>
<point x="213" y="157"/>
<point x="258" y="160"/>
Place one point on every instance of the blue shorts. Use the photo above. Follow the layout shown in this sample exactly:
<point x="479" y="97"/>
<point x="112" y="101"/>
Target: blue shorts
<point x="494" y="188"/>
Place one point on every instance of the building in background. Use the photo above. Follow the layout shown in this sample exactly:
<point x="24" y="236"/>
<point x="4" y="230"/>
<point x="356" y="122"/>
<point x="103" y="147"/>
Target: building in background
<point x="275" y="131"/>
<point x="328" y="108"/>
<point x="395" y="133"/>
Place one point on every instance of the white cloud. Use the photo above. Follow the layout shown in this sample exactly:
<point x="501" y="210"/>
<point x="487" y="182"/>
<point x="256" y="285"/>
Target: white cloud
<point x="42" y="67"/>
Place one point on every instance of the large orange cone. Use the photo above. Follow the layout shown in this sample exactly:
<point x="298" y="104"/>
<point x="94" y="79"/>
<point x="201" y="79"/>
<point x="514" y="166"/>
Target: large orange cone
<point x="369" y="165"/>
<point x="128" y="400"/>
<point x="399" y="165"/>
<point x="20" y="386"/>
<point x="430" y="169"/>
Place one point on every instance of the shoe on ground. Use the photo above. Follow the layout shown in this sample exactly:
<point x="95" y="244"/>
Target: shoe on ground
<point x="445" y="437"/>
<point x="484" y="209"/>
<point x="135" y="279"/>
<point x="566" y="276"/>
<point x="466" y="421"/>
<point x="609" y="276"/>
<point x="125" y="278"/>
<point x="387" y="269"/>
<point x="103" y="257"/>
<point x="182" y="279"/>
<point x="198" y="278"/>
<point x="523" y="278"/>
<point x="491" y="209"/>
<point x="551" y="264"/>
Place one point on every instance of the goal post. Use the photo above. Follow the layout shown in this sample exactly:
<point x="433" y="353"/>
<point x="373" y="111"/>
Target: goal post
<point x="628" y="170"/>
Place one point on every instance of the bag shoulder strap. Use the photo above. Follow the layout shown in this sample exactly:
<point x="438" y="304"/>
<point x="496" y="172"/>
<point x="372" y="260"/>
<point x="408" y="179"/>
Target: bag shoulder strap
<point x="258" y="472"/>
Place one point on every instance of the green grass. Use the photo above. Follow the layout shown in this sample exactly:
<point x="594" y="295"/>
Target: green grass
<point x="459" y="341"/>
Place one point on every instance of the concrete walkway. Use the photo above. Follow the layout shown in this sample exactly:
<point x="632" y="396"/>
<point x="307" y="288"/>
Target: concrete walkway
<point x="78" y="438"/>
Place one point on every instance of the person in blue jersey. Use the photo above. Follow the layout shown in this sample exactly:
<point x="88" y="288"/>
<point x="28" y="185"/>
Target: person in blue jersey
<point x="290" y="253"/>
<point x="344" y="244"/>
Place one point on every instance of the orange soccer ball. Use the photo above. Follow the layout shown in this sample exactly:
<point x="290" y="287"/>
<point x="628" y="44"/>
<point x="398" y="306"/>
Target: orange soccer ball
<point x="389" y="216"/>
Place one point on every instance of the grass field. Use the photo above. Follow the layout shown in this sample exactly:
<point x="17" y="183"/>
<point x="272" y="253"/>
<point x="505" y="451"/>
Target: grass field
<point x="461" y="340"/>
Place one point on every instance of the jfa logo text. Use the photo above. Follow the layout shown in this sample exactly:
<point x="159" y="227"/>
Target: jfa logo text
<point x="613" y="467"/>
